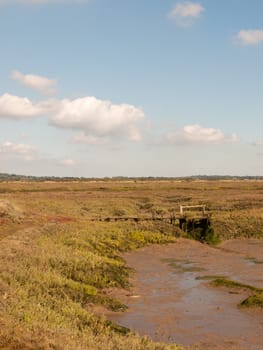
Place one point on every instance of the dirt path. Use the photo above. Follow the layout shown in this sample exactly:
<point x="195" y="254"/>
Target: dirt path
<point x="170" y="304"/>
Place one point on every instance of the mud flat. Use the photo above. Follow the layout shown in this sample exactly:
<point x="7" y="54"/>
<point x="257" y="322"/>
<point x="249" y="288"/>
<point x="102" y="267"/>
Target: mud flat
<point x="172" y="299"/>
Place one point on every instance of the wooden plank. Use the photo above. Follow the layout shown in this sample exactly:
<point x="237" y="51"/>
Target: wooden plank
<point x="201" y="206"/>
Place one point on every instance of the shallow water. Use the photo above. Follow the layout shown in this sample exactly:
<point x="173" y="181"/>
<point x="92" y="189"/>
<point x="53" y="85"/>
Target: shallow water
<point x="170" y="304"/>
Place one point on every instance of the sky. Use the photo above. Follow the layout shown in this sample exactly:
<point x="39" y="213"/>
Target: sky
<point x="101" y="88"/>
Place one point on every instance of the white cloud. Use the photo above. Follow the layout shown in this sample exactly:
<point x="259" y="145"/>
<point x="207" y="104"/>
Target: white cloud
<point x="42" y="84"/>
<point x="16" y="148"/>
<point x="20" y="107"/>
<point x="98" y="118"/>
<point x="196" y="134"/>
<point x="68" y="162"/>
<point x="185" y="13"/>
<point x="250" y="37"/>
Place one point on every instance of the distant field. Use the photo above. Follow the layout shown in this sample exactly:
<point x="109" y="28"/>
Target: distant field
<point x="56" y="265"/>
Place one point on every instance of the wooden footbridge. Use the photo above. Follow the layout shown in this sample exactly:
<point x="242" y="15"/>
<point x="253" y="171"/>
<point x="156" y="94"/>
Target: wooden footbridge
<point x="185" y="219"/>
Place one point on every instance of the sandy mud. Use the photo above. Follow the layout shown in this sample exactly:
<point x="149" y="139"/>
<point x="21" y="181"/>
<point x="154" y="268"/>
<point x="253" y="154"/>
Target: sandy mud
<point x="172" y="301"/>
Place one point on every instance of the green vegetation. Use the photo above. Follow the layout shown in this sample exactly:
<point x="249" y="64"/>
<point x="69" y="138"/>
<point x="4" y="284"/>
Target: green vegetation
<point x="209" y="277"/>
<point x="182" y="265"/>
<point x="255" y="300"/>
<point x="60" y="274"/>
<point x="58" y="262"/>
<point x="203" y="234"/>
<point x="224" y="282"/>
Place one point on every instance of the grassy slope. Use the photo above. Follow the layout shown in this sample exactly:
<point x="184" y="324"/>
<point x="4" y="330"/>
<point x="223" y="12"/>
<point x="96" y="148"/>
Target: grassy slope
<point x="58" y="264"/>
<point x="57" y="273"/>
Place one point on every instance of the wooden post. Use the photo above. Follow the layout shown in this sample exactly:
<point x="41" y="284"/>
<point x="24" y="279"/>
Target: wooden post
<point x="181" y="210"/>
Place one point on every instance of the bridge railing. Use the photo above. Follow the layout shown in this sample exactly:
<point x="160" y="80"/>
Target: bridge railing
<point x="183" y="207"/>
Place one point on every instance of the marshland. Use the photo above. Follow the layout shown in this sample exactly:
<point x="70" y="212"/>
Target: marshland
<point x="70" y="280"/>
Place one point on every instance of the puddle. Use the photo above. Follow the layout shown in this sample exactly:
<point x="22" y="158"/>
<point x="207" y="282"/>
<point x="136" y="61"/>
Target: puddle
<point x="175" y="303"/>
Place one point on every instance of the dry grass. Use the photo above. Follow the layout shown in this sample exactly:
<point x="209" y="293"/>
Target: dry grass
<point x="56" y="264"/>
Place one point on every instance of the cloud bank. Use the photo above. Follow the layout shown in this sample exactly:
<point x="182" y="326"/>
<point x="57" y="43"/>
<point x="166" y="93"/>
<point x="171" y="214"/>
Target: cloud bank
<point x="196" y="134"/>
<point x="96" y="119"/>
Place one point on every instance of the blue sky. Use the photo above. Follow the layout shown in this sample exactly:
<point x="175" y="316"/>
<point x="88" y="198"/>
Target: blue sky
<point x="132" y="88"/>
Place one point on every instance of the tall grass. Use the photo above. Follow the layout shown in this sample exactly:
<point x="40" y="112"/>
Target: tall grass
<point x="57" y="275"/>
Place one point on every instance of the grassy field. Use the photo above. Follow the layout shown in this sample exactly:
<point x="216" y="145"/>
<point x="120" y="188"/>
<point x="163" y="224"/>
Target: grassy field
<point x="57" y="265"/>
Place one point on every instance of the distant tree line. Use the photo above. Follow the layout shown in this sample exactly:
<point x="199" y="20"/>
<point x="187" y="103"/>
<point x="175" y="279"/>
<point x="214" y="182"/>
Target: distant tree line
<point x="15" y="177"/>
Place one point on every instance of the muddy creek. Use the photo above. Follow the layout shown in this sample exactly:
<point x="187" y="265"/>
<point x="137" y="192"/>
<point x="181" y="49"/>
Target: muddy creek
<point x="172" y="299"/>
